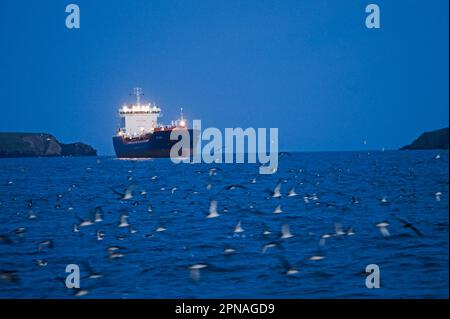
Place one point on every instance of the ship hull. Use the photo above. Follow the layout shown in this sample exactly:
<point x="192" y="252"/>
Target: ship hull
<point x="152" y="145"/>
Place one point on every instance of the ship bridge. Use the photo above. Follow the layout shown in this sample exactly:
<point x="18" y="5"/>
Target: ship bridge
<point x="137" y="119"/>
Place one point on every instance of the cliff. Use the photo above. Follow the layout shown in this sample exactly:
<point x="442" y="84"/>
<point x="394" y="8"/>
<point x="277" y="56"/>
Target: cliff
<point x="430" y="140"/>
<point x="40" y="144"/>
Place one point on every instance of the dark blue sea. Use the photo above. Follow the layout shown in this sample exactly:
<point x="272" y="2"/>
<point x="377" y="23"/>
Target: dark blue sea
<point x="168" y="248"/>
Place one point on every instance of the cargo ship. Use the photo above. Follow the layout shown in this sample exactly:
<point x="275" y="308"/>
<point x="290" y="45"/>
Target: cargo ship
<point x="141" y="136"/>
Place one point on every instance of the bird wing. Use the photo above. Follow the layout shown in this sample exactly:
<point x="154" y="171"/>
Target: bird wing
<point x="415" y="230"/>
<point x="401" y="220"/>
<point x="409" y="225"/>
<point x="235" y="186"/>
<point x="117" y="192"/>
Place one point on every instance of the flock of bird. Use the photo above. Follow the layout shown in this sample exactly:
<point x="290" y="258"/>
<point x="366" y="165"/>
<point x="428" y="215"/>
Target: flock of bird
<point x="273" y="239"/>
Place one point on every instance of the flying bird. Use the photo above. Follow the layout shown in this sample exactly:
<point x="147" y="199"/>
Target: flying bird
<point x="238" y="228"/>
<point x="98" y="214"/>
<point x="407" y="224"/>
<point x="229" y="250"/>
<point x="383" y="228"/>
<point x="285" y="232"/>
<point x="20" y="231"/>
<point x="273" y="244"/>
<point x="123" y="222"/>
<point x="128" y="194"/>
<point x="276" y="192"/>
<point x="234" y="186"/>
<point x="290" y="269"/>
<point x="91" y="273"/>
<point x="195" y="270"/>
<point x="266" y="232"/>
<point x="277" y="210"/>
<point x="45" y="243"/>
<point x="100" y="235"/>
<point x="84" y="222"/>
<point x="213" y="210"/>
<point x="292" y="192"/>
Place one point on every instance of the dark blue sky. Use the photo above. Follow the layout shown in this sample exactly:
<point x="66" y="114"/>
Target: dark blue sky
<point x="310" y="68"/>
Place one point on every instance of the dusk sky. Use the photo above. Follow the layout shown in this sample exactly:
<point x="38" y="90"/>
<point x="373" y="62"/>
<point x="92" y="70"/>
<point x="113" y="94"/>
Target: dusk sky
<point x="309" y="67"/>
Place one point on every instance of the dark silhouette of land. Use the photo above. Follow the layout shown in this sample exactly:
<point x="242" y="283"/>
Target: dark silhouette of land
<point x="435" y="140"/>
<point x="40" y="144"/>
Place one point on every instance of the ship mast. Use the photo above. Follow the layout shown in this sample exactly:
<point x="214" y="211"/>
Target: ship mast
<point x="181" y="122"/>
<point x="138" y="92"/>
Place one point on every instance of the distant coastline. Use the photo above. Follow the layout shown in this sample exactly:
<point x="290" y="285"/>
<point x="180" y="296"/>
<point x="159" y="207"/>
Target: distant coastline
<point x="21" y="144"/>
<point x="434" y="140"/>
<point x="17" y="144"/>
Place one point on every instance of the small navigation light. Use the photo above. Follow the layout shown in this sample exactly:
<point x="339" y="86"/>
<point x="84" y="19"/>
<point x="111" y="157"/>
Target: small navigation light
<point x="182" y="123"/>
